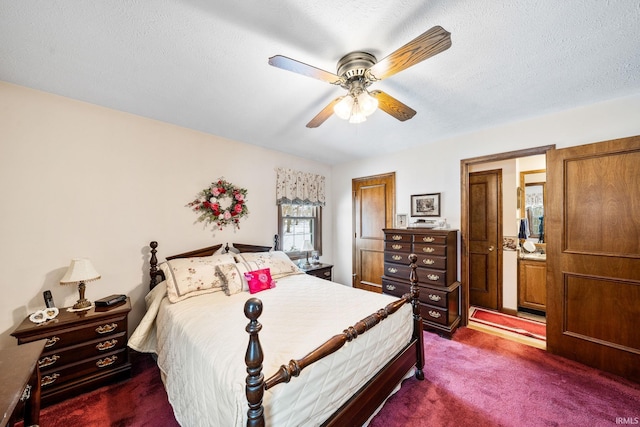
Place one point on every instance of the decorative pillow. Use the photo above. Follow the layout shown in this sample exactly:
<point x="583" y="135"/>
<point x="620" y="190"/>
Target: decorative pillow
<point x="189" y="277"/>
<point x="259" y="280"/>
<point x="232" y="277"/>
<point x="278" y="262"/>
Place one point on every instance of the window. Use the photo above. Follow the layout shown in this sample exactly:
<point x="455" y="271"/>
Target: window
<point x="297" y="223"/>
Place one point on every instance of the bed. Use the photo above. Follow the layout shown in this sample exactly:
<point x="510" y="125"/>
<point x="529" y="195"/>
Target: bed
<point x="304" y="331"/>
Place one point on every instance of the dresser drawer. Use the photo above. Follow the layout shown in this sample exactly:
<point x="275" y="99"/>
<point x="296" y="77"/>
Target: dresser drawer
<point x="55" y="377"/>
<point x="397" y="247"/>
<point x="398" y="271"/>
<point x="74" y="353"/>
<point x="434" y="297"/>
<point x="425" y="295"/>
<point x="427" y="249"/>
<point x="436" y="240"/>
<point x="432" y="262"/>
<point x="433" y="314"/>
<point x="399" y="237"/>
<point x="432" y="277"/>
<point x="396" y="257"/>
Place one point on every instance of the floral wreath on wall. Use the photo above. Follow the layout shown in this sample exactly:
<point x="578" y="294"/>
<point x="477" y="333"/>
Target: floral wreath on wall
<point x="221" y="203"/>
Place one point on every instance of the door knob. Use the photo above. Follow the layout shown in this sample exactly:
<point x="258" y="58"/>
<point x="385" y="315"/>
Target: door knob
<point x="491" y="248"/>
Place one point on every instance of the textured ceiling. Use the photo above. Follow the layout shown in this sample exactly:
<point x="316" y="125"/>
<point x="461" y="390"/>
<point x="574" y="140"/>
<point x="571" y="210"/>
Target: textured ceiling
<point x="203" y="64"/>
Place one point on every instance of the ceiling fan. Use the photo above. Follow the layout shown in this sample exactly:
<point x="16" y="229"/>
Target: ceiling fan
<point x="356" y="71"/>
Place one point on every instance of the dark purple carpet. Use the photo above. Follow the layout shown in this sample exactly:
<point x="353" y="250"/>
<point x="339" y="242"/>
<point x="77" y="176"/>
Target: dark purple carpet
<point x="475" y="379"/>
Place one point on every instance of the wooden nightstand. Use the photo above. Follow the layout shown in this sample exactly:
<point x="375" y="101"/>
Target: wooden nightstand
<point x="323" y="271"/>
<point x="84" y="350"/>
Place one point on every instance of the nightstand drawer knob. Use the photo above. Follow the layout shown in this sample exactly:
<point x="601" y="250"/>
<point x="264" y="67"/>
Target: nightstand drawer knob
<point x="49" y="379"/>
<point x="48" y="361"/>
<point x="433" y="277"/>
<point x="433" y="297"/>
<point x="428" y="261"/>
<point x="392" y="270"/>
<point x="103" y="363"/>
<point x="327" y="273"/>
<point x="105" y="329"/>
<point x="428" y="249"/>
<point x="106" y="345"/>
<point x="52" y="341"/>
<point x="391" y="287"/>
<point x="428" y="239"/>
<point x="396" y="237"/>
<point x="434" y="314"/>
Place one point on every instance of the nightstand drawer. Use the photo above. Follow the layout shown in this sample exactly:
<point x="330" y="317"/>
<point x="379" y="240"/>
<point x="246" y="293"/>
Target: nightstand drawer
<point x="323" y="271"/>
<point x="82" y="333"/>
<point x="81" y="351"/>
<point x="56" y="377"/>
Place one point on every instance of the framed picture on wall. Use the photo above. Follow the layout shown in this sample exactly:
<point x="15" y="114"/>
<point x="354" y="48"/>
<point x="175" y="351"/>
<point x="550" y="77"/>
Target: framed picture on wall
<point x="425" y="204"/>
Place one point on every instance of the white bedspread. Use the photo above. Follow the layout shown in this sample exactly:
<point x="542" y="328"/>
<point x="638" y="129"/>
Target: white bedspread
<point x="201" y="343"/>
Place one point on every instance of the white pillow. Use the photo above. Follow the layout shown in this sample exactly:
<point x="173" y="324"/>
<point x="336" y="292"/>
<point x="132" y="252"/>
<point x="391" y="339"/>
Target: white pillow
<point x="277" y="261"/>
<point x="189" y="277"/>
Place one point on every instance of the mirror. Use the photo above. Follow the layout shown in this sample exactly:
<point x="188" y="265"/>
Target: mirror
<point x="532" y="195"/>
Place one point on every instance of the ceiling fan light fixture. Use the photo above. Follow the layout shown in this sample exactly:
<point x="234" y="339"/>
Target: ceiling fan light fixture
<point x="368" y="104"/>
<point x="343" y="108"/>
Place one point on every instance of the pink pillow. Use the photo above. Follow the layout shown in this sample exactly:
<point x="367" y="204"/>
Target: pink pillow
<point x="259" y="280"/>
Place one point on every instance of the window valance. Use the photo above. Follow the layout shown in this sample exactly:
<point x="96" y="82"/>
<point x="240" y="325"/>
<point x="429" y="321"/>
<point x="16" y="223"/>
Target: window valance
<point x="299" y="188"/>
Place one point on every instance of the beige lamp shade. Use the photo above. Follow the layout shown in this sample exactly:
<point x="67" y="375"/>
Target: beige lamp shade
<point x="80" y="270"/>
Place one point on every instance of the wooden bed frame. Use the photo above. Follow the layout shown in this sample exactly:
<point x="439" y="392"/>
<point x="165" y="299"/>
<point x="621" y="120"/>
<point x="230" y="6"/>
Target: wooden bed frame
<point x="359" y="408"/>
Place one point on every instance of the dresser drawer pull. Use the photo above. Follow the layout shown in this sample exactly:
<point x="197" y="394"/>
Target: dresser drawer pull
<point x="106" y="345"/>
<point x="396" y="247"/>
<point x="49" y="379"/>
<point x="396" y="237"/>
<point x="396" y="257"/>
<point x="428" y="249"/>
<point x="392" y="270"/>
<point x="26" y="393"/>
<point x="428" y="261"/>
<point x="433" y="277"/>
<point x="390" y="287"/>
<point x="103" y="363"/>
<point x="105" y="329"/>
<point x="433" y="297"/>
<point x="428" y="239"/>
<point x="52" y="341"/>
<point x="434" y="314"/>
<point x="48" y="361"/>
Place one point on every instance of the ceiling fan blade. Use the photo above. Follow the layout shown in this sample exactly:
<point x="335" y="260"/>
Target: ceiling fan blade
<point x="392" y="106"/>
<point x="426" y="45"/>
<point x="324" y="114"/>
<point x="304" y="69"/>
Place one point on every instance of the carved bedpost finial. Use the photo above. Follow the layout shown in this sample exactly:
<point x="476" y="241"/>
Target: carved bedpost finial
<point x="417" y="319"/>
<point x="153" y="263"/>
<point x="276" y="242"/>
<point x="253" y="359"/>
<point x="226" y="248"/>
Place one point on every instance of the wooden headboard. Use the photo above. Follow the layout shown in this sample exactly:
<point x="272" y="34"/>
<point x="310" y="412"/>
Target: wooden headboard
<point x="154" y="272"/>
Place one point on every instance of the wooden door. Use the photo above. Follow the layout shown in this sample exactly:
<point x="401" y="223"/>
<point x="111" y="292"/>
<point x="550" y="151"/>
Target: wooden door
<point x="593" y="255"/>
<point x="485" y="238"/>
<point x="373" y="210"/>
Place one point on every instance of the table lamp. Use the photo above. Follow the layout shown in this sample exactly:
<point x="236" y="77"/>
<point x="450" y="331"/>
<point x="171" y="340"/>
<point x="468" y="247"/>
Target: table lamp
<point x="307" y="247"/>
<point x="80" y="270"/>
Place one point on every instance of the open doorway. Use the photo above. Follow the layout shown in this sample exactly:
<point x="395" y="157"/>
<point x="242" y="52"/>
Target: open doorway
<point x="520" y="274"/>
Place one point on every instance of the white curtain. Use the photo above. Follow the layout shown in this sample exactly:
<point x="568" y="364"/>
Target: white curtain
<point x="299" y="188"/>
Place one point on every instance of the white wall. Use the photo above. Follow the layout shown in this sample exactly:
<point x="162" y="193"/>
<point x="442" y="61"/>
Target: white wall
<point x="77" y="180"/>
<point x="436" y="167"/>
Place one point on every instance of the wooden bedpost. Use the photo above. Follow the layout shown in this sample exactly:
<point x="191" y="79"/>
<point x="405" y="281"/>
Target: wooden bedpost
<point x="153" y="269"/>
<point x="253" y="360"/>
<point x="276" y="242"/>
<point x="417" y="319"/>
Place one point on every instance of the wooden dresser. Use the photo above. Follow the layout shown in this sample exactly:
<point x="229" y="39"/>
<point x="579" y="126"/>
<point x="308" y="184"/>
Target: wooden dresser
<point x="437" y="273"/>
<point x="84" y="350"/>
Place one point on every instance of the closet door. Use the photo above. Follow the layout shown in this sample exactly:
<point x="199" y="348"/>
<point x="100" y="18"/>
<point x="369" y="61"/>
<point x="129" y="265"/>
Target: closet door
<point x="593" y="255"/>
